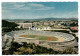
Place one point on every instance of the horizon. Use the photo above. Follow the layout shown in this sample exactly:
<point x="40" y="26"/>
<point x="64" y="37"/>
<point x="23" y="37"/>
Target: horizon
<point x="45" y="19"/>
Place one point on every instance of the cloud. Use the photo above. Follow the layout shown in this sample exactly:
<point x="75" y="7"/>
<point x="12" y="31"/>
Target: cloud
<point x="74" y="14"/>
<point x="45" y="8"/>
<point x="39" y="6"/>
<point x="25" y="6"/>
<point x="3" y="11"/>
<point x="19" y="5"/>
<point x="36" y="5"/>
<point x="11" y="5"/>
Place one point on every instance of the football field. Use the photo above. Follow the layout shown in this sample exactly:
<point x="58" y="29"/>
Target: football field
<point x="40" y="37"/>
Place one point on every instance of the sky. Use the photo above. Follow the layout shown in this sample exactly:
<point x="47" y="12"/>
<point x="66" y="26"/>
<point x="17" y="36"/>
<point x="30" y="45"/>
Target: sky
<point x="37" y="10"/>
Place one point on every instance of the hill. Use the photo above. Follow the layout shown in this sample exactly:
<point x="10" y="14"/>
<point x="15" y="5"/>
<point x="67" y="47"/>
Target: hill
<point x="42" y="19"/>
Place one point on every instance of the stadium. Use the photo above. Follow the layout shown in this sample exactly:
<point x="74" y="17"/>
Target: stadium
<point x="42" y="38"/>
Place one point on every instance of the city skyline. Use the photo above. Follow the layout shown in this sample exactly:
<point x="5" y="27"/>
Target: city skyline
<point x="37" y="10"/>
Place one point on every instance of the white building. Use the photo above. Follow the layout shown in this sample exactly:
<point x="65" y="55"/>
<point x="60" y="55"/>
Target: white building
<point x="25" y="25"/>
<point x="41" y="28"/>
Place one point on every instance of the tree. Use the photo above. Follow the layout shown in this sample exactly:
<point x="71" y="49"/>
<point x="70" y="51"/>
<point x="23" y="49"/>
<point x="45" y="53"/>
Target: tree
<point x="74" y="24"/>
<point x="8" y="26"/>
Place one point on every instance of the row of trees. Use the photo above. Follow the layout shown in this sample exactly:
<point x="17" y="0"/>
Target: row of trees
<point x="26" y="49"/>
<point x="74" y="24"/>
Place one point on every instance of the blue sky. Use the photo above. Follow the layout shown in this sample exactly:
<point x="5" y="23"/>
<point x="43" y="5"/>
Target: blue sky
<point x="36" y="10"/>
